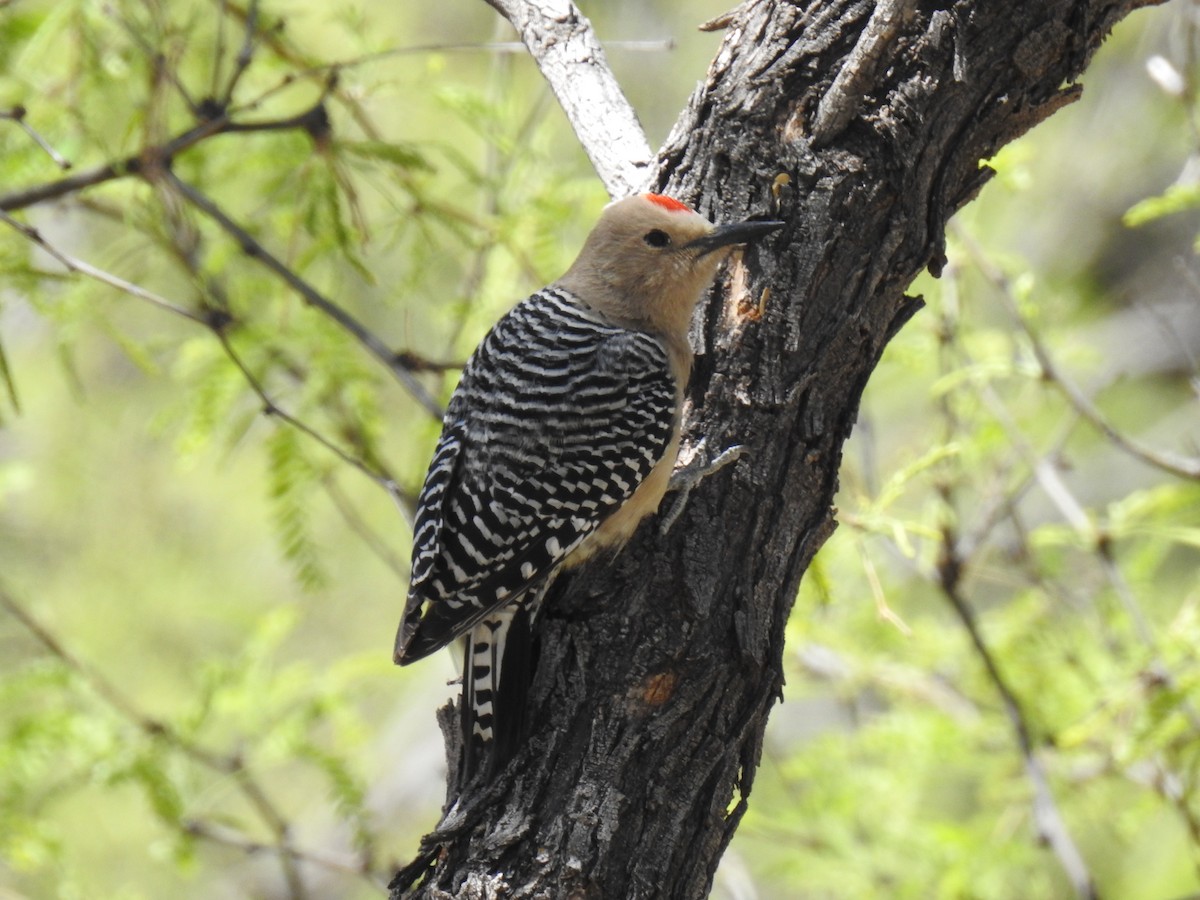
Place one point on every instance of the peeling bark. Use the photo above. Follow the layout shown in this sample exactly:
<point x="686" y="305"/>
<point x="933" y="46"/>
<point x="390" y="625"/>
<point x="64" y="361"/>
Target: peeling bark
<point x="863" y="125"/>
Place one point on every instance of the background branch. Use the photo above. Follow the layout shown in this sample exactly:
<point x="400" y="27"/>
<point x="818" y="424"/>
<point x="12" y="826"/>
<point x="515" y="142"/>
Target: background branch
<point x="1174" y="463"/>
<point x="231" y="765"/>
<point x="218" y="324"/>
<point x="314" y="298"/>
<point x="564" y="46"/>
<point x="1051" y="826"/>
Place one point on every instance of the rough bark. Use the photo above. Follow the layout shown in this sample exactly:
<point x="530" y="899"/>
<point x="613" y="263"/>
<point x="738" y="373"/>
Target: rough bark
<point x="658" y="669"/>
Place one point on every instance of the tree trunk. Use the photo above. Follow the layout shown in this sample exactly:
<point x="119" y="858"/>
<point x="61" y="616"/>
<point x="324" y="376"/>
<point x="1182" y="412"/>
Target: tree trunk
<point x="862" y="124"/>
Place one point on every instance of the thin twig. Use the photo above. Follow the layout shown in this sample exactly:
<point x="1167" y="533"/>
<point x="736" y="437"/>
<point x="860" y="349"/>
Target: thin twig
<point x="1051" y="825"/>
<point x="274" y="820"/>
<point x="1173" y="463"/>
<point x="218" y="49"/>
<point x="1133" y="609"/>
<point x="272" y="409"/>
<point x="500" y="48"/>
<point x="1096" y="538"/>
<point x="1044" y="470"/>
<point x="154" y="56"/>
<point x="131" y="165"/>
<point x="183" y="245"/>
<point x="254" y="249"/>
<point x="377" y="545"/>
<point x="17" y="114"/>
<point x="74" y="264"/>
<point x="233" y="766"/>
<point x="245" y="54"/>
<point x="951" y="564"/>
<point x="10" y="384"/>
<point x="218" y="325"/>
<point x="100" y="685"/>
<point x="882" y="608"/>
<point x="154" y="158"/>
<point x="335" y="862"/>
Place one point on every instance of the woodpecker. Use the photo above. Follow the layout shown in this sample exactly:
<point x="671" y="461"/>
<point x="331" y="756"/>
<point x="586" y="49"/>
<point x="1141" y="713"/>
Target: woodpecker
<point x="559" y="439"/>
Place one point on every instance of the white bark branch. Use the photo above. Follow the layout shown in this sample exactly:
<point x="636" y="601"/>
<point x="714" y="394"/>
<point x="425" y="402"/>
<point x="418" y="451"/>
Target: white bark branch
<point x="561" y="40"/>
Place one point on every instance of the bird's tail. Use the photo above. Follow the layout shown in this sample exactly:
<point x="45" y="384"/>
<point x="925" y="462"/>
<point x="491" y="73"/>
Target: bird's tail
<point x="498" y="666"/>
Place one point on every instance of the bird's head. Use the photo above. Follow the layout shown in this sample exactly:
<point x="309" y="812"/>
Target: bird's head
<point x="649" y="259"/>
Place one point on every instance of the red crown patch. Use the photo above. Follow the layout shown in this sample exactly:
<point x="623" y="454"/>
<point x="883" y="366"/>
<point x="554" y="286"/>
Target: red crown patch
<point x="668" y="203"/>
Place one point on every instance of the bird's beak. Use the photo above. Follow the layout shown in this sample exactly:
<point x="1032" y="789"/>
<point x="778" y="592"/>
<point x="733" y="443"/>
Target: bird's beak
<point x="737" y="233"/>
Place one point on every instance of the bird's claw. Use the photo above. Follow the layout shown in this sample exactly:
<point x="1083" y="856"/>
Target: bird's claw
<point x="687" y="476"/>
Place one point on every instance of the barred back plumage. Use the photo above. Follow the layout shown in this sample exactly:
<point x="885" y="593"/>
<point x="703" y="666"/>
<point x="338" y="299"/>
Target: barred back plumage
<point x="519" y="478"/>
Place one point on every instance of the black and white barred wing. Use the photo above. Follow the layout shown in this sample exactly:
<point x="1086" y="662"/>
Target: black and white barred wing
<point x="557" y="420"/>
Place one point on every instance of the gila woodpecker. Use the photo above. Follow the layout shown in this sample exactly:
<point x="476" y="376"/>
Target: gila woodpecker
<point x="560" y="437"/>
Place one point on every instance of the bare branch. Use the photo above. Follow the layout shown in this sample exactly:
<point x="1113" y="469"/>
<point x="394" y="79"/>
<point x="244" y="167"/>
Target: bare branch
<point x="217" y="323"/>
<point x="131" y="165"/>
<point x="378" y="545"/>
<point x="271" y="408"/>
<point x="219" y="48"/>
<point x="10" y="383"/>
<point x="1051" y="826"/>
<point x="73" y="264"/>
<point x="560" y="38"/>
<point x="156" y="157"/>
<point x="232" y="765"/>
<point x="335" y="862"/>
<point x="1175" y="464"/>
<point x="102" y="687"/>
<point x="245" y="55"/>
<point x="17" y="114"/>
<point x="155" y="161"/>
<point x="253" y="248"/>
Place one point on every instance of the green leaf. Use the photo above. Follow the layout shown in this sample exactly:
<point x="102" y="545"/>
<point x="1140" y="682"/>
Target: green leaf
<point x="1175" y="199"/>
<point x="291" y="479"/>
<point x="399" y="154"/>
<point x="7" y="377"/>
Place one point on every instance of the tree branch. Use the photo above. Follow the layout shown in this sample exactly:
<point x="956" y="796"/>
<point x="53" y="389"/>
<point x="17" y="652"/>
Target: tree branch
<point x="566" y="49"/>
<point x="154" y="162"/>
<point x="73" y="264"/>
<point x="218" y="323"/>
<point x="232" y="766"/>
<point x="1051" y="826"/>
<point x="314" y="298"/>
<point x="1164" y="460"/>
<point x="131" y="165"/>
<point x="18" y="114"/>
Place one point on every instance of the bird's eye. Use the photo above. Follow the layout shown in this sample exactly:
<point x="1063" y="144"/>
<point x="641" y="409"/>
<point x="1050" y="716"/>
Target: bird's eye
<point x="657" y="238"/>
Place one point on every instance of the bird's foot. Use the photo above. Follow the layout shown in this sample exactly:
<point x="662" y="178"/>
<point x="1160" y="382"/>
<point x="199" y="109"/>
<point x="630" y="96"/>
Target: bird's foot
<point x="691" y="473"/>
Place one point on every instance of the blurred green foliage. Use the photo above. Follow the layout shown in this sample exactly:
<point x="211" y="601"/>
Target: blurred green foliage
<point x="199" y="598"/>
